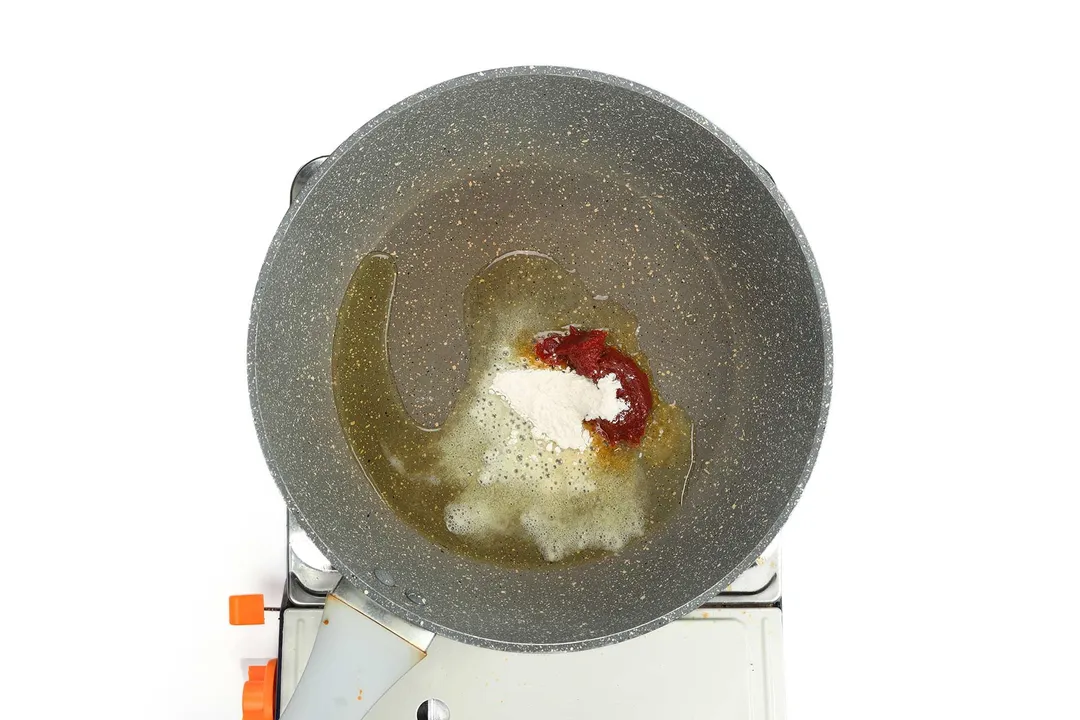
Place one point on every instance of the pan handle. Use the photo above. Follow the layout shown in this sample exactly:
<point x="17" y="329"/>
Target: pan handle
<point x="360" y="651"/>
<point x="305" y="173"/>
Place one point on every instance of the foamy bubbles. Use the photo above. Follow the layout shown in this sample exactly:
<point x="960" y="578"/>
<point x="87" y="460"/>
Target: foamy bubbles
<point x="513" y="483"/>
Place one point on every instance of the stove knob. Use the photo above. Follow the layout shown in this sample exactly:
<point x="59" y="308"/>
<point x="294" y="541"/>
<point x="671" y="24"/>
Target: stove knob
<point x="259" y="692"/>
<point x="246" y="610"/>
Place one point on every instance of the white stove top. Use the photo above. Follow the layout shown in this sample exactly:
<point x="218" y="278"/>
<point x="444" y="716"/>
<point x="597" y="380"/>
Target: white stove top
<point x="715" y="663"/>
<point x="724" y="660"/>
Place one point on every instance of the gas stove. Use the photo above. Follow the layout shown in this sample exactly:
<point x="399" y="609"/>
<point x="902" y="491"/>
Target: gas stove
<point x="723" y="660"/>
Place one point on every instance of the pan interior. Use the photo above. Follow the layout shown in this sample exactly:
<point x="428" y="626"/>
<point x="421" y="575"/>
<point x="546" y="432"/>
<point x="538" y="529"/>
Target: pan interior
<point x="652" y="210"/>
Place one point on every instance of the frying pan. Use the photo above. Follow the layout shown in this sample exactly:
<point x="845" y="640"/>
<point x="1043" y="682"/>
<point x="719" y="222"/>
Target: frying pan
<point x="593" y="171"/>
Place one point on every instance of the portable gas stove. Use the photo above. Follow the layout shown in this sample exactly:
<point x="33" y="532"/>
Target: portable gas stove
<point x="723" y="660"/>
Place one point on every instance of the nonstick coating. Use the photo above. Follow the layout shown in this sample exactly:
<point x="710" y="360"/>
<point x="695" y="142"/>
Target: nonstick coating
<point x="653" y="206"/>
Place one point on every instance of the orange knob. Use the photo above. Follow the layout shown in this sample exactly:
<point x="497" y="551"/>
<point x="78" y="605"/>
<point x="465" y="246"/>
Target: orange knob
<point x="259" y="692"/>
<point x="246" y="610"/>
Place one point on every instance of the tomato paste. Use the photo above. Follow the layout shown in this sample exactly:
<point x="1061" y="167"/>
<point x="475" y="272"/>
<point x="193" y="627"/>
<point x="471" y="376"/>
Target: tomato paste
<point x="587" y="353"/>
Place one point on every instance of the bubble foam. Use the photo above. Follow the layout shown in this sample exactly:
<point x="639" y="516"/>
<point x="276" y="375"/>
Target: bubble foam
<point x="513" y="483"/>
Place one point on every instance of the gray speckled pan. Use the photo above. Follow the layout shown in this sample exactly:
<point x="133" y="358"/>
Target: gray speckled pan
<point x="653" y="206"/>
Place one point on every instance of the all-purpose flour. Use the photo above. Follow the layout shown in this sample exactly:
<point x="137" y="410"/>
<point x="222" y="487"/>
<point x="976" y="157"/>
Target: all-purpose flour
<point x="557" y="402"/>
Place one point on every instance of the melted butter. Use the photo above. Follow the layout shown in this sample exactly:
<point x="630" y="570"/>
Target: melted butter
<point x="482" y="485"/>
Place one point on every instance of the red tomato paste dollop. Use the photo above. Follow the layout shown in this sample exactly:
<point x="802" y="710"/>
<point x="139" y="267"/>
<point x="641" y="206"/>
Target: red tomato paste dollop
<point x="587" y="353"/>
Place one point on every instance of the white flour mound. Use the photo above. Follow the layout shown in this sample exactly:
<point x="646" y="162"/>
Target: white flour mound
<point x="557" y="402"/>
<point x="522" y="463"/>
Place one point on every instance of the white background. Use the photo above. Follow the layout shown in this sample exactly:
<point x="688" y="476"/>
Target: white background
<point x="929" y="151"/>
